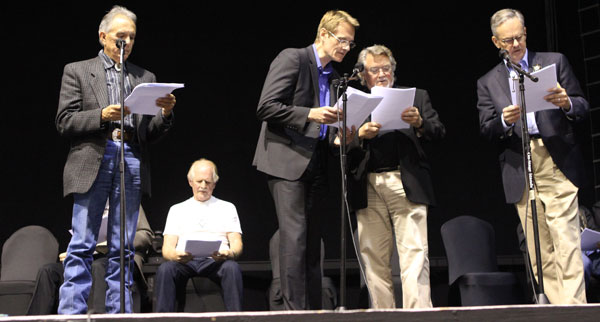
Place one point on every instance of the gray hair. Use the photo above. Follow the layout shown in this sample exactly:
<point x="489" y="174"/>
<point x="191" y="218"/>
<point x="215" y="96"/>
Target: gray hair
<point x="375" y="50"/>
<point x="110" y="16"/>
<point x="502" y="16"/>
<point x="196" y="163"/>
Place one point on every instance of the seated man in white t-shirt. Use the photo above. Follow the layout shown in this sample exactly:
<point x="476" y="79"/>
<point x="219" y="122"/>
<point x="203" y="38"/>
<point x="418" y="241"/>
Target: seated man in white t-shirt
<point x="202" y="217"/>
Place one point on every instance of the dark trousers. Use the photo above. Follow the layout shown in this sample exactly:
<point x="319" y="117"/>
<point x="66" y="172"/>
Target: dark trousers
<point x="300" y="233"/>
<point x="172" y="277"/>
<point x="45" y="296"/>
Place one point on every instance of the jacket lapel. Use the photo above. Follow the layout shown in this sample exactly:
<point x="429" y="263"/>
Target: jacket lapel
<point x="314" y="74"/>
<point x="535" y="59"/>
<point x="98" y="82"/>
<point x="502" y="79"/>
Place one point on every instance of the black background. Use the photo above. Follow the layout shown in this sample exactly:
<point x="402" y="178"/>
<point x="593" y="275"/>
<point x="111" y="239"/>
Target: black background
<point x="222" y="53"/>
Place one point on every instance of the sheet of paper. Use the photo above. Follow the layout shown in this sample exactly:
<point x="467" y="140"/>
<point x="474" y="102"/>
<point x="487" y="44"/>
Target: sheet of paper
<point x="142" y="99"/>
<point x="535" y="92"/>
<point x="359" y="106"/>
<point x="202" y="248"/>
<point x="388" y="112"/>
<point x="589" y="239"/>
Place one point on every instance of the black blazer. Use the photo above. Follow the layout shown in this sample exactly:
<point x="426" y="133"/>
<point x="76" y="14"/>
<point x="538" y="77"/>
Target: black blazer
<point x="556" y="128"/>
<point x="287" y="140"/>
<point x="414" y="167"/>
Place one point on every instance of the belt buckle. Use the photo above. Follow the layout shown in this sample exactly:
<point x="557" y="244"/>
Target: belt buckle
<point x="116" y="135"/>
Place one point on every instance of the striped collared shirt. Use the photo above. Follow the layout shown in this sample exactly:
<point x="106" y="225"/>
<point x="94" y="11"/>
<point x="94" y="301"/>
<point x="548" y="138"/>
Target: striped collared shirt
<point x="113" y="84"/>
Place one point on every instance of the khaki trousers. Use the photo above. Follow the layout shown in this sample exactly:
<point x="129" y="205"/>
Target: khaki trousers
<point x="389" y="213"/>
<point x="560" y="248"/>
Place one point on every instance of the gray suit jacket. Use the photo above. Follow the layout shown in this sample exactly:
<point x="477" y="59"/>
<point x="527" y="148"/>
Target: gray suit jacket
<point x="83" y="95"/>
<point x="556" y="129"/>
<point x="287" y="141"/>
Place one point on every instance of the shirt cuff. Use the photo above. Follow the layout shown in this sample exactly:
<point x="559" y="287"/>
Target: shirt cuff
<point x="504" y="125"/>
<point x="571" y="113"/>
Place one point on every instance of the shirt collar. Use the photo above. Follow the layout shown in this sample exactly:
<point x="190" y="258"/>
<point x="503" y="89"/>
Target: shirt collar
<point x="328" y="69"/>
<point x="107" y="62"/>
<point x="204" y="203"/>
<point x="524" y="62"/>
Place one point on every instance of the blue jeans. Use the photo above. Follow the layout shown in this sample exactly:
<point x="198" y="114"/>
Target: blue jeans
<point x="172" y="277"/>
<point x="87" y="215"/>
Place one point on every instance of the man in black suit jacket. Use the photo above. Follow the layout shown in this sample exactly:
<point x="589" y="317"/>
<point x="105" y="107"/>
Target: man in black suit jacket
<point x="88" y="109"/>
<point x="556" y="155"/>
<point x="390" y="188"/>
<point x="295" y="109"/>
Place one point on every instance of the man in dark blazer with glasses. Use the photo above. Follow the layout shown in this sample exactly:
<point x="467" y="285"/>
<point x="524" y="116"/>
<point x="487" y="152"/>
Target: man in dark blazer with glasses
<point x="295" y="108"/>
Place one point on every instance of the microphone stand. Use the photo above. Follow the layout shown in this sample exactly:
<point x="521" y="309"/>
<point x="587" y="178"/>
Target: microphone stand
<point x="526" y="139"/>
<point x="343" y="85"/>
<point x="121" y="45"/>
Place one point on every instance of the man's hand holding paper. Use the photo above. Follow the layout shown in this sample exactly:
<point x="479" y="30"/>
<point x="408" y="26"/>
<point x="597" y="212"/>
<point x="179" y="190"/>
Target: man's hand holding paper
<point x="411" y="116"/>
<point x="388" y="112"/>
<point x="545" y="94"/>
<point x="166" y="103"/>
<point x="182" y="256"/>
<point x="359" y="106"/>
<point x="324" y="115"/>
<point x="369" y="130"/>
<point x="558" y="96"/>
<point x="149" y="98"/>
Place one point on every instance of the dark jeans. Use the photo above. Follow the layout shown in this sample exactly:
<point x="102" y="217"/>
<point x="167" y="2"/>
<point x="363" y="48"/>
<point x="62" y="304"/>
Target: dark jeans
<point x="173" y="276"/>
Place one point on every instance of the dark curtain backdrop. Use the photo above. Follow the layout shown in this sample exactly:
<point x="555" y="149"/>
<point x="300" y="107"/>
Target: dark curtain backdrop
<point x="222" y="53"/>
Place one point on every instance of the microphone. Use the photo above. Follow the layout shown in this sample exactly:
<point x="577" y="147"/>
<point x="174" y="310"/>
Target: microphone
<point x="358" y="68"/>
<point x="120" y="43"/>
<point x="504" y="55"/>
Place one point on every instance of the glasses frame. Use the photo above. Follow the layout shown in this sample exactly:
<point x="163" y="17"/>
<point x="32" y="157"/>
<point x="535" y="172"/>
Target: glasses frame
<point x="343" y="42"/>
<point x="375" y="70"/>
<point x="511" y="40"/>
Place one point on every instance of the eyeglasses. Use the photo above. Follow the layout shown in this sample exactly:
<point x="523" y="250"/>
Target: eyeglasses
<point x="375" y="70"/>
<point x="511" y="41"/>
<point x="343" y="42"/>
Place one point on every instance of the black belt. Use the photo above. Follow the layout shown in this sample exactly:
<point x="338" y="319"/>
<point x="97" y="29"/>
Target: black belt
<point x="386" y="169"/>
<point x="535" y="136"/>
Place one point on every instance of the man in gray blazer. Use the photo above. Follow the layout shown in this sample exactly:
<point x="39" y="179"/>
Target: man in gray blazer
<point x="292" y="150"/>
<point x="89" y="115"/>
<point x="556" y="155"/>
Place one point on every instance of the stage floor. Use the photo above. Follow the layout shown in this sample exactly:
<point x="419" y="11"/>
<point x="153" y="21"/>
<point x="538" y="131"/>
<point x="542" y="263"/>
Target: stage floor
<point x="512" y="313"/>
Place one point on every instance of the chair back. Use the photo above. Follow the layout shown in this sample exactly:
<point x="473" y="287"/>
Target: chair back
<point x="470" y="246"/>
<point x="25" y="251"/>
